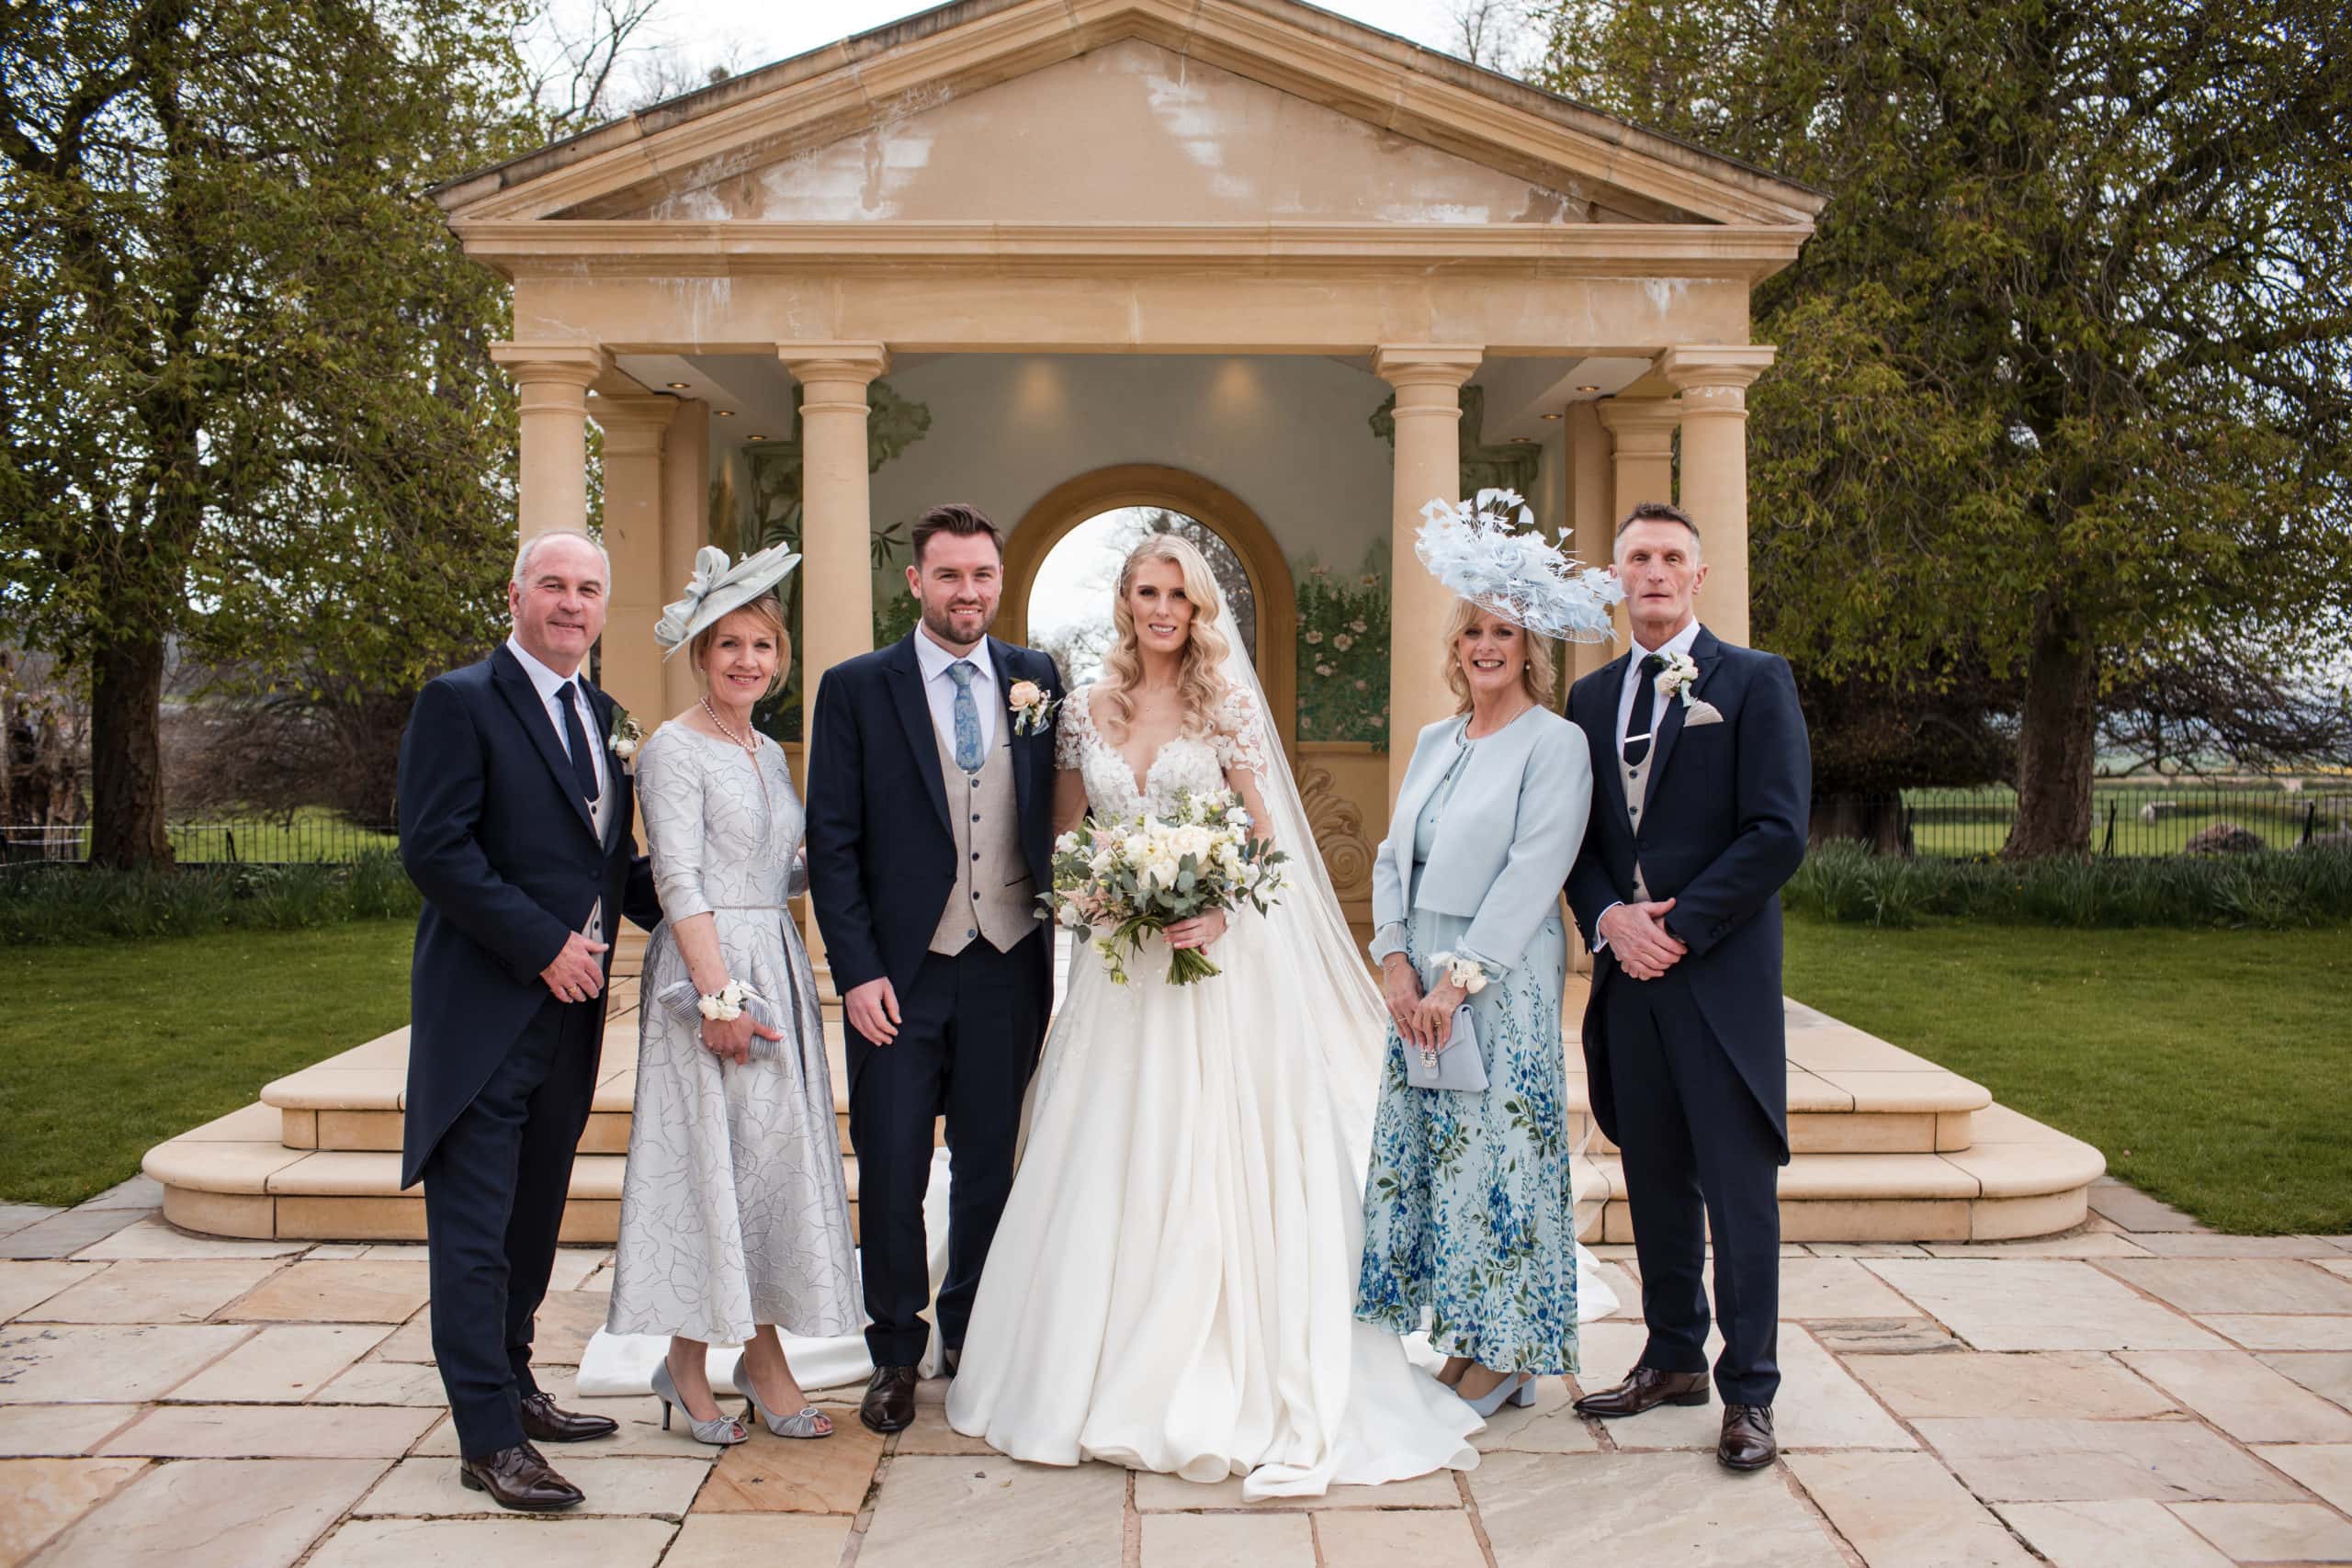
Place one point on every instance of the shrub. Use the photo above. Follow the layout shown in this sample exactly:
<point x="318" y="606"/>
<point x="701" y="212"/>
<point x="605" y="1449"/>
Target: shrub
<point x="1846" y="884"/>
<point x="45" y="905"/>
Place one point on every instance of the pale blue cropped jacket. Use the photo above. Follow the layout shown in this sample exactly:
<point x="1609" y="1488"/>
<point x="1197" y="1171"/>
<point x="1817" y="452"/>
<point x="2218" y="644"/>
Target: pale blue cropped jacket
<point x="1509" y="834"/>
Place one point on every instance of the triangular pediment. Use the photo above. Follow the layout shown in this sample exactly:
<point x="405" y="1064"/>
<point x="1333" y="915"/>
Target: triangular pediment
<point x="1127" y="112"/>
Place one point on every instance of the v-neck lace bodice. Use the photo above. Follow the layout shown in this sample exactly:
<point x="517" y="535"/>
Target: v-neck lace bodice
<point x="1187" y="763"/>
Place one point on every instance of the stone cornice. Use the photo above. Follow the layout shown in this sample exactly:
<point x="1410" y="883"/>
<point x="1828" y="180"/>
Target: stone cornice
<point x="640" y="247"/>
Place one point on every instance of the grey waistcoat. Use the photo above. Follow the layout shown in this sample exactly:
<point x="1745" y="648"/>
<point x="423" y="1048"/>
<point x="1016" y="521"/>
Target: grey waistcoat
<point x="994" y="895"/>
<point x="1637" y="782"/>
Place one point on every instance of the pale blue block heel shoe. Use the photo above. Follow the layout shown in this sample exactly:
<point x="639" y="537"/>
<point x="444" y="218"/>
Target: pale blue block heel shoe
<point x="1519" y="1389"/>
<point x="720" y="1431"/>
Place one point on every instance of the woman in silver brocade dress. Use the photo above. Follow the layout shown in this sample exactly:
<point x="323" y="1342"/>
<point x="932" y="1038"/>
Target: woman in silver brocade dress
<point x="734" y="1213"/>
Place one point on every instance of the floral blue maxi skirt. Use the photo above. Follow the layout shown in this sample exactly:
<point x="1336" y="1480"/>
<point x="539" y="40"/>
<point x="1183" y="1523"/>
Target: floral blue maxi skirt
<point x="1469" y="1216"/>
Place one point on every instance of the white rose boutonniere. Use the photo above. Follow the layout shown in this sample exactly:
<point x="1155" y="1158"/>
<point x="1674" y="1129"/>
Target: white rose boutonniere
<point x="1679" y="671"/>
<point x="1032" y="708"/>
<point x="626" y="737"/>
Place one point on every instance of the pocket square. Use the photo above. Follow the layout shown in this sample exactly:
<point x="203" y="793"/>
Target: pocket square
<point x="1702" y="712"/>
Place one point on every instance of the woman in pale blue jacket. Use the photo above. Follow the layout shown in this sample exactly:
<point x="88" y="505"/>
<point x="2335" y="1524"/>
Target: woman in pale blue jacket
<point x="1469" y="1220"/>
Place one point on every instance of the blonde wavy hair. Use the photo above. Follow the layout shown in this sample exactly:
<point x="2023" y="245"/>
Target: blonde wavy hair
<point x="770" y="613"/>
<point x="1536" y="675"/>
<point x="1197" y="679"/>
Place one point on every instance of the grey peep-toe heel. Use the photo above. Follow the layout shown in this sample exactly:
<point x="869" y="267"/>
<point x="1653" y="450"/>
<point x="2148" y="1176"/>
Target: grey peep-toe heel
<point x="806" y="1422"/>
<point x="721" y="1431"/>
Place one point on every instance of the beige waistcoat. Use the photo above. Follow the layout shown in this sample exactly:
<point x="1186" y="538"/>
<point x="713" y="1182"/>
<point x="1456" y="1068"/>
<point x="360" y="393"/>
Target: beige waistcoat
<point x="994" y="895"/>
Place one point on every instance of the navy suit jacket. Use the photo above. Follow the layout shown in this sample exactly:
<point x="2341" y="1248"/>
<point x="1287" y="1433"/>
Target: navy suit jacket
<point x="881" y="855"/>
<point x="495" y="836"/>
<point x="1723" y="827"/>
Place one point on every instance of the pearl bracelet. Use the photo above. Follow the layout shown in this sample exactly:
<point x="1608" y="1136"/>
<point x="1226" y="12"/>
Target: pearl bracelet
<point x="1463" y="971"/>
<point x="725" y="1005"/>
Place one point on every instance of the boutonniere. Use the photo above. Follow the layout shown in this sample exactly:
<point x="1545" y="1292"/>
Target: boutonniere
<point x="1032" y="708"/>
<point x="626" y="737"/>
<point x="1679" y="671"/>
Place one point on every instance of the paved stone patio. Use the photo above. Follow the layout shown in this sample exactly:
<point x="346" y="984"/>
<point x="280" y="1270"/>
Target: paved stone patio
<point x="2137" y="1392"/>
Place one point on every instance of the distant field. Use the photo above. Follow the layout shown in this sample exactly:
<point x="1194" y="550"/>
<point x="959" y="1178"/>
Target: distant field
<point x="1964" y="822"/>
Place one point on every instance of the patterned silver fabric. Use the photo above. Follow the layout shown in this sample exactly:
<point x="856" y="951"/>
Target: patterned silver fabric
<point x="734" y="1211"/>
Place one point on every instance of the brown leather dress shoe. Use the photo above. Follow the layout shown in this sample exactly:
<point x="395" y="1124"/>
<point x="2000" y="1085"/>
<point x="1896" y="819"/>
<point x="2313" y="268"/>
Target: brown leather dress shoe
<point x="1747" y="1441"/>
<point x="543" y="1423"/>
<point x="519" y="1479"/>
<point x="1646" y="1388"/>
<point x="889" y="1402"/>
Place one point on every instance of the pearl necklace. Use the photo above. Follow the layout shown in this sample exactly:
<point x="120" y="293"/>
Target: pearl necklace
<point x="751" y="744"/>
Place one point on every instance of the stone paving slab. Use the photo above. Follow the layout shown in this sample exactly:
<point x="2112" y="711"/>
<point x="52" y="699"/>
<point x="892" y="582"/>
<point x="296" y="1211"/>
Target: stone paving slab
<point x="2271" y="1532"/>
<point x="267" y="1432"/>
<point x="1905" y="1511"/>
<point x="359" y="1291"/>
<point x="2243" y="1397"/>
<point x="26" y="1285"/>
<point x="107" y="1363"/>
<point x="2263" y="1331"/>
<point x="216" y="1514"/>
<point x="758" y="1541"/>
<point x="2022" y="1461"/>
<point x="2043" y="1305"/>
<point x="1228" y="1541"/>
<point x="281" y="1363"/>
<point x="770" y="1474"/>
<point x="2047" y="1384"/>
<point x="476" y="1543"/>
<point x="154" y="1239"/>
<point x="62" y="1429"/>
<point x="2102" y="1535"/>
<point x="1397" y="1540"/>
<point x="996" y="1513"/>
<point x="61" y="1236"/>
<point x="1540" y="1510"/>
<point x="39" y="1497"/>
<point x="14" y="1217"/>
<point x="155" y="1292"/>
<point x="2209" y="1286"/>
<point x="429" y="1488"/>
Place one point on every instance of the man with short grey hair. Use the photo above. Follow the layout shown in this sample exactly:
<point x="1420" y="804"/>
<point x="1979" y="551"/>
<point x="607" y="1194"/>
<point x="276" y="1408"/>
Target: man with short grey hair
<point x="514" y="825"/>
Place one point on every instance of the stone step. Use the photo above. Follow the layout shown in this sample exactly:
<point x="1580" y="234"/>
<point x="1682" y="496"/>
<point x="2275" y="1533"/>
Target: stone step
<point x="234" y="1176"/>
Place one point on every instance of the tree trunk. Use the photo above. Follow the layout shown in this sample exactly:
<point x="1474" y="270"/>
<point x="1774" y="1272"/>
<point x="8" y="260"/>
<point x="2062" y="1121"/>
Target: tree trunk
<point x="127" y="755"/>
<point x="1873" y="820"/>
<point x="2057" y="742"/>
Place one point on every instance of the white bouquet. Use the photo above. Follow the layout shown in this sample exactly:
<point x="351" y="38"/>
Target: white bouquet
<point x="1145" y="874"/>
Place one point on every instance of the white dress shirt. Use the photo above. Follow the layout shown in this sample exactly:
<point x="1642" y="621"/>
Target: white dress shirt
<point x="939" y="688"/>
<point x="547" y="683"/>
<point x="1680" y="642"/>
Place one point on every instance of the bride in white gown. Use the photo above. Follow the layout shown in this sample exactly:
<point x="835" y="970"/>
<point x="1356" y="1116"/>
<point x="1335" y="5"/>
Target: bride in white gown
<point x="1173" y="1285"/>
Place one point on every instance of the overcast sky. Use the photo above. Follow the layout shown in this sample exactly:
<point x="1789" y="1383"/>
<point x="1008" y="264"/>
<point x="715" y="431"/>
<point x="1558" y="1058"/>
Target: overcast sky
<point x="759" y="32"/>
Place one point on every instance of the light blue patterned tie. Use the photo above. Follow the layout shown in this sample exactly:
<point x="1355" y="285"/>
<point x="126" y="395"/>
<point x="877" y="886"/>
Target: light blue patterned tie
<point x="967" y="718"/>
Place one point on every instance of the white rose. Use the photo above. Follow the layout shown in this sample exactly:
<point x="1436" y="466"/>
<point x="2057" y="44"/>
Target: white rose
<point x="1066" y="844"/>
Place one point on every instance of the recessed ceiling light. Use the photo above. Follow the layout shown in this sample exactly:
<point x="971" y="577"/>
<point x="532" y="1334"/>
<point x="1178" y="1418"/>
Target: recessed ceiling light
<point x="755" y="438"/>
<point x="1587" y="388"/>
<point x="1556" y="416"/>
<point x="677" y="386"/>
<point x="723" y="413"/>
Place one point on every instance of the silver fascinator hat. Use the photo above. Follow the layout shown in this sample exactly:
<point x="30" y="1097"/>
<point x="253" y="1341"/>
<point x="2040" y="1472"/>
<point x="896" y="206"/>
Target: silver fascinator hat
<point x="1471" y="546"/>
<point x="718" y="591"/>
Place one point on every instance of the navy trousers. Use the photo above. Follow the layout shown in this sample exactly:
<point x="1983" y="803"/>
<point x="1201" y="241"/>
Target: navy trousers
<point x="1699" y="1154"/>
<point x="966" y="1048"/>
<point x="495" y="1188"/>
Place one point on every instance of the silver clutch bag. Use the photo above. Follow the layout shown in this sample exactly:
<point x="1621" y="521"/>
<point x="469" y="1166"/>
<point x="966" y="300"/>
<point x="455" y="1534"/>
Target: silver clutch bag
<point x="1458" y="1065"/>
<point x="683" y="1002"/>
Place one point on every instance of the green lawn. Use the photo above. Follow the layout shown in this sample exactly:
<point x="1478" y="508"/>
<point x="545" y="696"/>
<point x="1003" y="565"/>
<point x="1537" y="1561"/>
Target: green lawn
<point x="108" y="1050"/>
<point x="2213" y="1068"/>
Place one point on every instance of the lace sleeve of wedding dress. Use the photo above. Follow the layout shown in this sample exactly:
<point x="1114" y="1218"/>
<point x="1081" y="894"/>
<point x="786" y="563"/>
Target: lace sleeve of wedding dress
<point x="669" y="792"/>
<point x="1240" y="732"/>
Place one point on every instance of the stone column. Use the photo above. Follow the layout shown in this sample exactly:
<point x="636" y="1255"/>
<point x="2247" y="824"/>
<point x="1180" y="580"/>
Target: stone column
<point x="554" y="378"/>
<point x="1713" y="381"/>
<point x="1591" y="486"/>
<point x="1427" y="379"/>
<point x="634" y="429"/>
<point x="836" y="522"/>
<point x="685" y="528"/>
<point x="1641" y="432"/>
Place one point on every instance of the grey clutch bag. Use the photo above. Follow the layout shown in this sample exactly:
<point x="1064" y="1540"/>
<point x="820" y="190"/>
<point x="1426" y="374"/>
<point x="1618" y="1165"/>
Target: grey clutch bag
<point x="1459" y="1064"/>
<point x="683" y="1002"/>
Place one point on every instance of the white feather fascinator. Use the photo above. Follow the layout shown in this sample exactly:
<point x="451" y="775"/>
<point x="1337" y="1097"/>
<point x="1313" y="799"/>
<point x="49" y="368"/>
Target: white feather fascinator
<point x="717" y="591"/>
<point x="1470" y="547"/>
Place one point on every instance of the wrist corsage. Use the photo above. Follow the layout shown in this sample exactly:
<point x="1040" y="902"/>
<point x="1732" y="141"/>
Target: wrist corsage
<point x="1463" y="971"/>
<point x="724" y="1006"/>
<point x="1032" y="708"/>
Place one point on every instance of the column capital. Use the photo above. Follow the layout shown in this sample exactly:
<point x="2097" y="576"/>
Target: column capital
<point x="858" y="362"/>
<point x="1714" y="366"/>
<point x="1426" y="364"/>
<point x="577" y="365"/>
<point x="632" y="425"/>
<point x="1641" y="424"/>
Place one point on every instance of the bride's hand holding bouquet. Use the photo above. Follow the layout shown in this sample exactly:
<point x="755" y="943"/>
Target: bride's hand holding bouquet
<point x="1150" y="874"/>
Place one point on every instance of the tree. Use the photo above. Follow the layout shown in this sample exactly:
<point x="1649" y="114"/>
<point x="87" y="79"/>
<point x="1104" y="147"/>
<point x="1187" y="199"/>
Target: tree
<point x="2064" y="385"/>
<point x="245" y="386"/>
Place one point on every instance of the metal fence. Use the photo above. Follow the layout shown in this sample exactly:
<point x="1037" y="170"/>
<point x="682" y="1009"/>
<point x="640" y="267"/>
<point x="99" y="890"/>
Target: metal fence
<point x="2128" y="818"/>
<point x="307" y="839"/>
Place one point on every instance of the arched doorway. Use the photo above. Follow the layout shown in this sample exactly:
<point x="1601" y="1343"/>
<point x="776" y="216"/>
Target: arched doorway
<point x="1144" y="487"/>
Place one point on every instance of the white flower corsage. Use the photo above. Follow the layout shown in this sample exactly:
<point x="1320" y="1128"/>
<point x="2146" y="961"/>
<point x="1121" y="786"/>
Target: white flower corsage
<point x="1679" y="671"/>
<point x="1463" y="971"/>
<point x="725" y="1005"/>
<point x="1032" y="708"/>
<point x="626" y="737"/>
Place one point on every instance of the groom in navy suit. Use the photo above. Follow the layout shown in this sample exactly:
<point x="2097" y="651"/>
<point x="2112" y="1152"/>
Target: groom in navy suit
<point x="514" y="825"/>
<point x="1702" y="788"/>
<point x="930" y="837"/>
